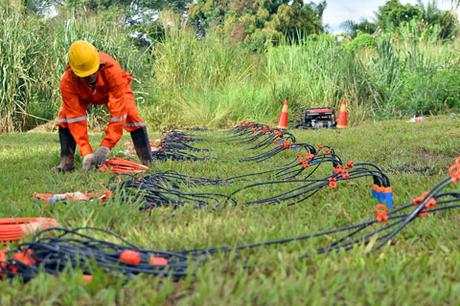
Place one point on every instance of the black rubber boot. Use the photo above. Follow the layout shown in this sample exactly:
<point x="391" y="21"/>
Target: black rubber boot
<point x="68" y="147"/>
<point x="142" y="145"/>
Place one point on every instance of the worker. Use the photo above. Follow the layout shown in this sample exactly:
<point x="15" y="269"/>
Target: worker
<point x="93" y="77"/>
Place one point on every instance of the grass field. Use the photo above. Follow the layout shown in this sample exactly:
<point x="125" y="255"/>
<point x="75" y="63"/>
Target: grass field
<point x="420" y="268"/>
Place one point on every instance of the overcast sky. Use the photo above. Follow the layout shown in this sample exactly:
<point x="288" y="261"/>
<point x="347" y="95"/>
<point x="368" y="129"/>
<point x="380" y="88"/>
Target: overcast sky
<point x="337" y="11"/>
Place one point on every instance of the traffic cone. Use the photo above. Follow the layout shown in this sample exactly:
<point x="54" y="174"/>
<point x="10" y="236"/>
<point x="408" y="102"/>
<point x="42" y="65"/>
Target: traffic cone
<point x="283" y="120"/>
<point x="342" y="121"/>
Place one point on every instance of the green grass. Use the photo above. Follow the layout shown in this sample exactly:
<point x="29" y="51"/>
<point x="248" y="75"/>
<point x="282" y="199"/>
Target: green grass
<point x="421" y="268"/>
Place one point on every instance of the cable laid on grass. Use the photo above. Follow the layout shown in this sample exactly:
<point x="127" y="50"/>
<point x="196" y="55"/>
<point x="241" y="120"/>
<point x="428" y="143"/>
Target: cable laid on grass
<point x="73" y="248"/>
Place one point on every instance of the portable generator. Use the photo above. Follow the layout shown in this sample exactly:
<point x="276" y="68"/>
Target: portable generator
<point x="315" y="118"/>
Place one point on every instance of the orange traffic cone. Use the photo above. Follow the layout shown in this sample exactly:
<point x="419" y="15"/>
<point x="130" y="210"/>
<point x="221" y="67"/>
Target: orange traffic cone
<point x="283" y="120"/>
<point x="342" y="121"/>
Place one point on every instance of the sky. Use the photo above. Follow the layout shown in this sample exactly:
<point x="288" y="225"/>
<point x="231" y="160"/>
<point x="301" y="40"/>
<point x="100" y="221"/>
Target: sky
<point x="338" y="11"/>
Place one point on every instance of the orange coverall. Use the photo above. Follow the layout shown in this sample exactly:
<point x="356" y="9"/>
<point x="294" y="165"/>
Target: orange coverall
<point x="113" y="88"/>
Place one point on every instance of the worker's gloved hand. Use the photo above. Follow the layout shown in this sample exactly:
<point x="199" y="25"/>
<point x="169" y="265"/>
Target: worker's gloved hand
<point x="101" y="155"/>
<point x="96" y="159"/>
<point x="88" y="162"/>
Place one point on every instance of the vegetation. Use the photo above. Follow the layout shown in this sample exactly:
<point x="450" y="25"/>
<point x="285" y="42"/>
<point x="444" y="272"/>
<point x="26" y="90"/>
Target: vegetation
<point x="394" y="16"/>
<point x="215" y="80"/>
<point x="416" y="157"/>
<point x="197" y="71"/>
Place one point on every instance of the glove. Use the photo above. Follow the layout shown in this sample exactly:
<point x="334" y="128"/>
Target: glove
<point x="101" y="155"/>
<point x="88" y="162"/>
<point x="96" y="159"/>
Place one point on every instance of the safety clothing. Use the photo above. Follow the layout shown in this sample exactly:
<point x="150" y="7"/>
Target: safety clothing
<point x="112" y="88"/>
<point x="68" y="146"/>
<point x="142" y="145"/>
<point x="96" y="159"/>
<point x="83" y="58"/>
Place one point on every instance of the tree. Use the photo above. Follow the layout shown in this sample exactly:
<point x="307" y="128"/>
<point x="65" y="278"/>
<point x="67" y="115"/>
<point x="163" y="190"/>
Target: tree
<point x="257" y="22"/>
<point x="392" y="14"/>
<point x="354" y="28"/>
<point x="432" y="15"/>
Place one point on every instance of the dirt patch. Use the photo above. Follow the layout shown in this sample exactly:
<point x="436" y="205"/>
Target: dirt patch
<point x="414" y="168"/>
<point x="47" y="127"/>
<point x="427" y="155"/>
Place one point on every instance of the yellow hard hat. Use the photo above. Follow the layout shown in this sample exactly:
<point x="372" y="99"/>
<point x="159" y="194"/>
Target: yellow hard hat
<point x="83" y="58"/>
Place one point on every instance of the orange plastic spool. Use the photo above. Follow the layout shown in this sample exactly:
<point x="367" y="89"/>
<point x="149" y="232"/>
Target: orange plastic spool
<point x="15" y="229"/>
<point x="122" y="166"/>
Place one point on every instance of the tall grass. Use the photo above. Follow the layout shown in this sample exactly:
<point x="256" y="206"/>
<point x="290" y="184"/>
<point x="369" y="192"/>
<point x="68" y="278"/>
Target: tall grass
<point x="33" y="56"/>
<point x="212" y="82"/>
<point x="183" y="80"/>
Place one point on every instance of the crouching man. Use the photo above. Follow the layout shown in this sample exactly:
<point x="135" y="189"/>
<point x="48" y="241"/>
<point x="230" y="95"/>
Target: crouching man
<point x="93" y="77"/>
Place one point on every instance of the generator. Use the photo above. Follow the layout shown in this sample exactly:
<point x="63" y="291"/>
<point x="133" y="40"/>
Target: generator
<point x="315" y="118"/>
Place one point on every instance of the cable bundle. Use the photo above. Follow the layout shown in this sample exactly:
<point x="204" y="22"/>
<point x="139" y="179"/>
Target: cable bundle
<point x="158" y="190"/>
<point x="73" y="248"/>
<point x="175" y="140"/>
<point x="54" y="249"/>
<point x="308" y="187"/>
<point x="313" y="158"/>
<point x="173" y="145"/>
<point x="374" y="233"/>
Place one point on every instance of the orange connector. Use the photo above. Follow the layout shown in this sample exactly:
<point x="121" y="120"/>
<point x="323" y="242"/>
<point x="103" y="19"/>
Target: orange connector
<point x="381" y="213"/>
<point x="332" y="182"/>
<point x="25" y="257"/>
<point x="130" y="257"/>
<point x="158" y="261"/>
<point x="454" y="172"/>
<point x="350" y="164"/>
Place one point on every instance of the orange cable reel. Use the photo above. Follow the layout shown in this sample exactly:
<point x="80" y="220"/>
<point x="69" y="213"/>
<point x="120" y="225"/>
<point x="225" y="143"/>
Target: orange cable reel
<point x="122" y="166"/>
<point x="15" y="229"/>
